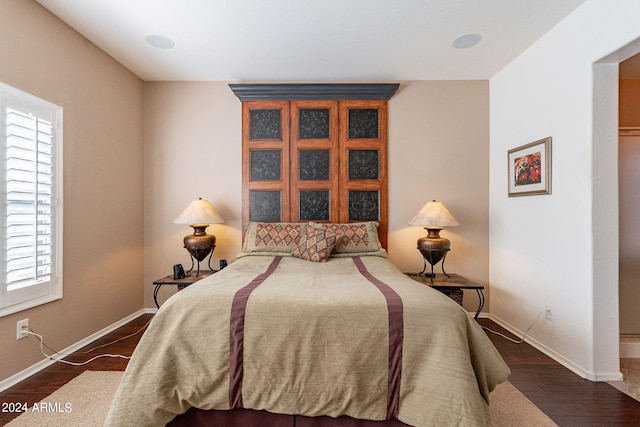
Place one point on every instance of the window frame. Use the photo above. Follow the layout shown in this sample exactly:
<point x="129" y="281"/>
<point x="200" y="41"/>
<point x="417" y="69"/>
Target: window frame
<point x="37" y="293"/>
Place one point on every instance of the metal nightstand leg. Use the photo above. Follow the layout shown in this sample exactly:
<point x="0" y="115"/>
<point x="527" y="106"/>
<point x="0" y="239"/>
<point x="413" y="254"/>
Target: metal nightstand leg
<point x="480" y="302"/>
<point x="155" y="295"/>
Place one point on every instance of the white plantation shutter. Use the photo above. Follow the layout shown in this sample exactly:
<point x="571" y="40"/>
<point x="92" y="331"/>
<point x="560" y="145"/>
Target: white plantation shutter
<point x="29" y="199"/>
<point x="31" y="211"/>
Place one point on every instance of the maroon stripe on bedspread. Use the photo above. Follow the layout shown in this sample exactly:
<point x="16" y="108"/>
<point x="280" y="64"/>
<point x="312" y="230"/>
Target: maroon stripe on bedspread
<point x="236" y="335"/>
<point x="396" y="336"/>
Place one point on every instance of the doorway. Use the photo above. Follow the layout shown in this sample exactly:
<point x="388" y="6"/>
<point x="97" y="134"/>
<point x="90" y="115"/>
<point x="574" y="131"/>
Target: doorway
<point x="605" y="211"/>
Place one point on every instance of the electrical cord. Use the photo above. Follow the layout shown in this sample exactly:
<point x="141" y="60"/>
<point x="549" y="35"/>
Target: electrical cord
<point x="39" y="337"/>
<point x="521" y="340"/>
<point x="99" y="346"/>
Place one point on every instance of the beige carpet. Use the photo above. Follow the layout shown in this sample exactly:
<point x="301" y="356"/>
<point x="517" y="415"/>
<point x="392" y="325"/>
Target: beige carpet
<point x="85" y="400"/>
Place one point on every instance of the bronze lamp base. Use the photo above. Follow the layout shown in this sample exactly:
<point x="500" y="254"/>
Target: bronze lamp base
<point x="200" y="245"/>
<point x="434" y="249"/>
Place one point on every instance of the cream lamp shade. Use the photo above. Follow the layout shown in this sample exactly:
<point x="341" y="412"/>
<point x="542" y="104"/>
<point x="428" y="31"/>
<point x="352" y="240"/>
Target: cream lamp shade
<point x="434" y="216"/>
<point x="200" y="211"/>
<point x="199" y="214"/>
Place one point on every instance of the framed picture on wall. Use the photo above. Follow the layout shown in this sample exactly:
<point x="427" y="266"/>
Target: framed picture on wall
<point x="529" y="168"/>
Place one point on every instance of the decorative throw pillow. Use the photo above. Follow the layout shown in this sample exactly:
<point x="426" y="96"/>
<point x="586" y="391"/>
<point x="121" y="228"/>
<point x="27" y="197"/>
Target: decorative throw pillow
<point x="281" y="237"/>
<point x="316" y="246"/>
<point x="353" y="237"/>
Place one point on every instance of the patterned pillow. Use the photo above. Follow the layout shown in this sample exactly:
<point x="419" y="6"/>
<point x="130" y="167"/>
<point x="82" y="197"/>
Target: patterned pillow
<point x="354" y="237"/>
<point x="316" y="246"/>
<point x="282" y="237"/>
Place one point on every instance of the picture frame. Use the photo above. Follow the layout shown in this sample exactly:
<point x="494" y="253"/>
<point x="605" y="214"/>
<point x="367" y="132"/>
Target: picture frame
<point x="529" y="169"/>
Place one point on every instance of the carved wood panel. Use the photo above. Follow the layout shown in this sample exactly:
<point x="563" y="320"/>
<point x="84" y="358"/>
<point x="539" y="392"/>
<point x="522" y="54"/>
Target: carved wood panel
<point x="314" y="161"/>
<point x="265" y="161"/>
<point x="363" y="163"/>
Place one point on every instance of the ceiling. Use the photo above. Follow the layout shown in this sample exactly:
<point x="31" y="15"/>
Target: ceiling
<point x="326" y="40"/>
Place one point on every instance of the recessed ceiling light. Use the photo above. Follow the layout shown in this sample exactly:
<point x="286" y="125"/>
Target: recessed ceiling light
<point x="160" y="42"/>
<point x="466" y="41"/>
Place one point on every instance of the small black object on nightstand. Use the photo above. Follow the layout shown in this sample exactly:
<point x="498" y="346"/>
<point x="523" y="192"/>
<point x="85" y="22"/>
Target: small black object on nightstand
<point x="178" y="272"/>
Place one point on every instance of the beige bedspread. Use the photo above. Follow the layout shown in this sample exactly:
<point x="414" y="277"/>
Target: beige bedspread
<point x="316" y="342"/>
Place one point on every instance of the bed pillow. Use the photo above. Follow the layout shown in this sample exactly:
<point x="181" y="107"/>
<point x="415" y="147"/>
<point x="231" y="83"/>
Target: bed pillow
<point x="273" y="237"/>
<point x="316" y="246"/>
<point x="353" y="237"/>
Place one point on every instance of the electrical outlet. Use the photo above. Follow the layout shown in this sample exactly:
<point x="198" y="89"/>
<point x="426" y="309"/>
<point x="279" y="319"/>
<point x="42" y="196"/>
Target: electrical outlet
<point x="20" y="329"/>
<point x="548" y="312"/>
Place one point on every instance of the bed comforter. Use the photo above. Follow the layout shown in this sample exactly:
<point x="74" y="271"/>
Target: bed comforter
<point x="352" y="336"/>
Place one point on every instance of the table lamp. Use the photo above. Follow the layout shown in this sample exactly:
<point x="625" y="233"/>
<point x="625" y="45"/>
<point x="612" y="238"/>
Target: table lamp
<point x="199" y="214"/>
<point x="434" y="216"/>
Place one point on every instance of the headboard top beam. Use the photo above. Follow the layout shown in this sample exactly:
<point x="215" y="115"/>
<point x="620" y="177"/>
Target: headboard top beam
<point x="314" y="91"/>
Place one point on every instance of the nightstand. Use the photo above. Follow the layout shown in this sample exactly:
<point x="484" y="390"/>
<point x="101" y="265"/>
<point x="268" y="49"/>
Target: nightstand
<point x="189" y="279"/>
<point x="452" y="286"/>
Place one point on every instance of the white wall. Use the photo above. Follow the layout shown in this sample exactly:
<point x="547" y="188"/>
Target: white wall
<point x="543" y="250"/>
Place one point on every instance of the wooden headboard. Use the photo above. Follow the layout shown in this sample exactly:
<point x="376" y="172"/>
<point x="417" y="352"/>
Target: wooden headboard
<point x="315" y="152"/>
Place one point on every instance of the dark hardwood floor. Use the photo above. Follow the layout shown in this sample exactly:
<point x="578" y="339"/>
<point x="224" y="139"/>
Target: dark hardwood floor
<point x="566" y="398"/>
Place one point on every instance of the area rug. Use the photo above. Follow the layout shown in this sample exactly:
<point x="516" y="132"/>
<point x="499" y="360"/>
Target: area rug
<point x="85" y="400"/>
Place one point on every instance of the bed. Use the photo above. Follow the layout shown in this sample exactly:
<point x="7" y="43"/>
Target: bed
<point x="312" y="324"/>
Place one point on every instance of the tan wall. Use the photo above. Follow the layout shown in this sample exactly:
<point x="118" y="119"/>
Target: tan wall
<point x="193" y="148"/>
<point x="438" y="149"/>
<point x="629" y="100"/>
<point x="103" y="178"/>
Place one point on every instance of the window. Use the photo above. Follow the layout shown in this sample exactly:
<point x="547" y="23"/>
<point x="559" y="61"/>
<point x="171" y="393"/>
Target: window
<point x="31" y="133"/>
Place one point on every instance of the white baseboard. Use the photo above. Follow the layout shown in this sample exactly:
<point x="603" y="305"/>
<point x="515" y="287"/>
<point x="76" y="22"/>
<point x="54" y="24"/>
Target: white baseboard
<point x="26" y="373"/>
<point x="573" y="367"/>
<point x="630" y="347"/>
